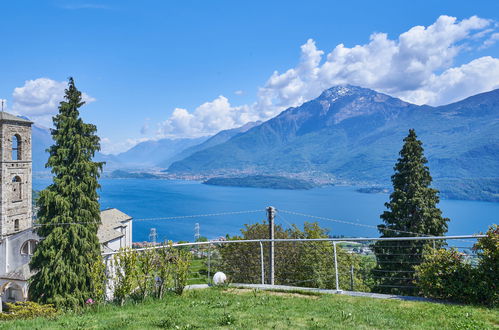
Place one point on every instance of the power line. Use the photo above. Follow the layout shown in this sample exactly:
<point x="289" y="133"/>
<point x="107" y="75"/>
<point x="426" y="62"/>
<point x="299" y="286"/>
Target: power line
<point x="353" y="223"/>
<point x="153" y="219"/>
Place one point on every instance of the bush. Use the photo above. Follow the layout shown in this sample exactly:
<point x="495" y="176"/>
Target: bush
<point x="182" y="261"/>
<point x="309" y="263"/>
<point x="125" y="267"/>
<point x="487" y="250"/>
<point x="28" y="310"/>
<point x="445" y="275"/>
<point x="150" y="272"/>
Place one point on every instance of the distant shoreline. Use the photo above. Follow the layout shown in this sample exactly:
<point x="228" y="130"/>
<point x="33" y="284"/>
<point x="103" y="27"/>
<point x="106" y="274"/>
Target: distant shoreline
<point x="450" y="189"/>
<point x="262" y="181"/>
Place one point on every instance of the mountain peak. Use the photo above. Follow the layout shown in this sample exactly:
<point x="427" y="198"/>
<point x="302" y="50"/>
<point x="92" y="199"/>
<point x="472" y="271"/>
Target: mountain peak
<point x="343" y="102"/>
<point x="336" y="92"/>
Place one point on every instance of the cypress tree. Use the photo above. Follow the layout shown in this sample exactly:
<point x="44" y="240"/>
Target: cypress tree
<point x="412" y="211"/>
<point x="69" y="212"/>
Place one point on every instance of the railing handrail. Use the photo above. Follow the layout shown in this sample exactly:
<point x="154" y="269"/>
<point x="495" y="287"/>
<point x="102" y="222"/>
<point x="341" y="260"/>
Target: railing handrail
<point x="338" y="240"/>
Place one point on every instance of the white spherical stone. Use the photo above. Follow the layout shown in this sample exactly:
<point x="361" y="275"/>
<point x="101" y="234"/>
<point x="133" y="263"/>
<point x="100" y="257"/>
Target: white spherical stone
<point x="219" y="278"/>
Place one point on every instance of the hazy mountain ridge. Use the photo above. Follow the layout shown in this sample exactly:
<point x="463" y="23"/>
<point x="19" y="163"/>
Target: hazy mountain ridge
<point x="355" y="135"/>
<point x="219" y="138"/>
<point x="143" y="156"/>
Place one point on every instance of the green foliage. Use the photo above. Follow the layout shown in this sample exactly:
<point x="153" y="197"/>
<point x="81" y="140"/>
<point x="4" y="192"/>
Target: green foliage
<point x="125" y="277"/>
<point x="150" y="272"/>
<point x="28" y="310"/>
<point x="165" y="268"/>
<point x="446" y="274"/>
<point x="262" y="181"/>
<point x="180" y="270"/>
<point x="309" y="264"/>
<point x="99" y="280"/>
<point x="487" y="249"/>
<point x="64" y="259"/>
<point x="146" y="269"/>
<point x="412" y="211"/>
<point x="202" y="239"/>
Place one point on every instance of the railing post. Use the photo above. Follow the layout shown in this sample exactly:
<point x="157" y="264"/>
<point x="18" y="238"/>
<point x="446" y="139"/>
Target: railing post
<point x="336" y="267"/>
<point x="271" y="213"/>
<point x="209" y="263"/>
<point x="351" y="277"/>
<point x="261" y="263"/>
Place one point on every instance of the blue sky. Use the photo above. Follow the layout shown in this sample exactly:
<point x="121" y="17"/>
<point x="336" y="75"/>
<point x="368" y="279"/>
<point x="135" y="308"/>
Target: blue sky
<point x="214" y="61"/>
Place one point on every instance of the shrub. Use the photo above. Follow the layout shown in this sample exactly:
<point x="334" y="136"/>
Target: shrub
<point x="444" y="274"/>
<point x="28" y="310"/>
<point x="125" y="267"/>
<point x="146" y="268"/>
<point x="308" y="263"/>
<point x="181" y="270"/>
<point x="487" y="250"/>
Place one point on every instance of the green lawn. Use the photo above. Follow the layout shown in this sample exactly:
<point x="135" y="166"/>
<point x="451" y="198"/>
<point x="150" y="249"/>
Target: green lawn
<point x="236" y="308"/>
<point x="198" y="272"/>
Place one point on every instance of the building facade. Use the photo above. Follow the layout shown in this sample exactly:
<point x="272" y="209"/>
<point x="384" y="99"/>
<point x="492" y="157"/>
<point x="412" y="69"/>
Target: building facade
<point x="18" y="239"/>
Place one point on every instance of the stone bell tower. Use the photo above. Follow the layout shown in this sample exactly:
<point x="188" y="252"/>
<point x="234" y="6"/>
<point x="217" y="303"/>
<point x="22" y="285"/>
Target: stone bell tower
<point x="15" y="184"/>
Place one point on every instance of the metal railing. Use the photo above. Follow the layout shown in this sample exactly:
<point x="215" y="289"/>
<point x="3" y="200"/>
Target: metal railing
<point x="360" y="264"/>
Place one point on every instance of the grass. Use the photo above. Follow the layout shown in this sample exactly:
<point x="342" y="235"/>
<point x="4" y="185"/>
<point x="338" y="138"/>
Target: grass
<point x="198" y="272"/>
<point x="243" y="309"/>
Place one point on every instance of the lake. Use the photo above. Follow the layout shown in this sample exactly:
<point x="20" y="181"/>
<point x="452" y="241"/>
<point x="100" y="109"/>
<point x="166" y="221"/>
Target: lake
<point x="144" y="199"/>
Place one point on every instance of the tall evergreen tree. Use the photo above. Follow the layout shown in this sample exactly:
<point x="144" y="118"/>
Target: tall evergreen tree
<point x="69" y="212"/>
<point x="412" y="211"/>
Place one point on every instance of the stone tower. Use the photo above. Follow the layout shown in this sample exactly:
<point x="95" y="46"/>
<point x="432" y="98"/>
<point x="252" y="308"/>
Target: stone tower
<point x="15" y="185"/>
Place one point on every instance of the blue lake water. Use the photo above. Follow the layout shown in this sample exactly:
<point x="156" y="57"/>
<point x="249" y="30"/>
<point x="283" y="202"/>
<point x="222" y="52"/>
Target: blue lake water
<point x="143" y="199"/>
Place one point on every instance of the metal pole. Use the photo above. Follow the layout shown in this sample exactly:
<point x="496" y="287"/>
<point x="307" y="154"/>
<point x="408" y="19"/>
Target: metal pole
<point x="209" y="263"/>
<point x="271" y="213"/>
<point x="262" y="264"/>
<point x="336" y="267"/>
<point x="351" y="277"/>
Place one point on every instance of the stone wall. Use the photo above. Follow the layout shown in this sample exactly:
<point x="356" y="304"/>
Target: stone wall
<point x="16" y="178"/>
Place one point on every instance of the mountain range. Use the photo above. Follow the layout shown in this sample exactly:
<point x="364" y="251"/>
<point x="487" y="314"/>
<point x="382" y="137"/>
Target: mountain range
<point x="348" y="135"/>
<point x="354" y="134"/>
<point x="145" y="156"/>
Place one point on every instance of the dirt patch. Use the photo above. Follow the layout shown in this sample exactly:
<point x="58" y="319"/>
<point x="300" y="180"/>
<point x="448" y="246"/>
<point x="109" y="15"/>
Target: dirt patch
<point x="274" y="293"/>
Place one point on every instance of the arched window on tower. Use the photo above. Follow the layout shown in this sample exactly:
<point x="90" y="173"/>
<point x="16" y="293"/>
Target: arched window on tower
<point x="28" y="247"/>
<point x="16" y="225"/>
<point x="16" y="147"/>
<point x="16" y="189"/>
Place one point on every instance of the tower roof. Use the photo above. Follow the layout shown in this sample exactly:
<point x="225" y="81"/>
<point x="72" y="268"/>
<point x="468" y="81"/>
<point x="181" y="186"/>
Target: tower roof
<point x="4" y="116"/>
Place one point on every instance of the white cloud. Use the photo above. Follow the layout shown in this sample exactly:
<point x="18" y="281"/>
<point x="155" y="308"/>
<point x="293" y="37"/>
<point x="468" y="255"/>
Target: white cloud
<point x="417" y="67"/>
<point x="402" y="67"/>
<point x="239" y="92"/>
<point x="208" y="118"/>
<point x="491" y="40"/>
<point x="110" y="147"/>
<point x="39" y="99"/>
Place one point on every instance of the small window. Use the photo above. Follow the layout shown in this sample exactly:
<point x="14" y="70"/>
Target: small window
<point x="16" y="225"/>
<point x="11" y="294"/>
<point x="16" y="189"/>
<point x="28" y="248"/>
<point x="16" y="147"/>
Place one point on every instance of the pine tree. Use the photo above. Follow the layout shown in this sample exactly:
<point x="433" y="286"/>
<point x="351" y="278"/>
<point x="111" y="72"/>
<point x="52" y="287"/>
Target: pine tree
<point x="69" y="212"/>
<point x="412" y="211"/>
